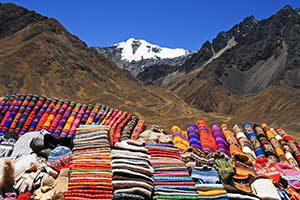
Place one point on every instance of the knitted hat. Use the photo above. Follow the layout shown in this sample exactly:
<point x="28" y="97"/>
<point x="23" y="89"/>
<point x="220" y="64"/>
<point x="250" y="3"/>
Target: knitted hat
<point x="59" y="152"/>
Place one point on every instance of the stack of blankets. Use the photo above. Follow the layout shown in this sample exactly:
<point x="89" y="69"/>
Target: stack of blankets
<point x="250" y="155"/>
<point x="171" y="177"/>
<point x="132" y="171"/>
<point x="91" y="176"/>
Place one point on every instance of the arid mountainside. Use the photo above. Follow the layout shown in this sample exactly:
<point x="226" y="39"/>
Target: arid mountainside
<point x="39" y="56"/>
<point x="251" y="71"/>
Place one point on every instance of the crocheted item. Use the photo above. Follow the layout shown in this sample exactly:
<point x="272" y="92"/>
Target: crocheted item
<point x="244" y="172"/>
<point x="290" y="174"/>
<point x="225" y="169"/>
<point x="58" y="153"/>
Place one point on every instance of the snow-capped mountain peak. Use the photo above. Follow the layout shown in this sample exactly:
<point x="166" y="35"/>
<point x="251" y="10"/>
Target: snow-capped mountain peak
<point x="137" y="49"/>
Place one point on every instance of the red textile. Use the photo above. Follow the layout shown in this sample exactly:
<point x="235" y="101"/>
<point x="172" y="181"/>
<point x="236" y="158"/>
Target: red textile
<point x="24" y="196"/>
<point x="267" y="169"/>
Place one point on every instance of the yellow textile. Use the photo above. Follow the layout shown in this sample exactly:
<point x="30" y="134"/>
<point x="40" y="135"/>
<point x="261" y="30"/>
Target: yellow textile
<point x="269" y="133"/>
<point x="179" y="142"/>
<point x="49" y="120"/>
<point x="211" y="192"/>
<point x="69" y="123"/>
<point x="181" y="146"/>
<point x="175" y="128"/>
<point x="279" y="151"/>
<point x="178" y="139"/>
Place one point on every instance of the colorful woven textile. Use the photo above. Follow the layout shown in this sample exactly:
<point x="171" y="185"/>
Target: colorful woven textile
<point x="171" y="177"/>
<point x="265" y="168"/>
<point x="221" y="141"/>
<point x="265" y="144"/>
<point x="22" y="113"/>
<point x="208" y="142"/>
<point x="33" y="114"/>
<point x="234" y="146"/>
<point x="63" y="120"/>
<point x="10" y="113"/>
<point x="132" y="172"/>
<point x="247" y="128"/>
<point x="114" y="135"/>
<point x="276" y="145"/>
<point x="91" y="176"/>
<point x="294" y="147"/>
<point x="18" y="124"/>
<point x="129" y="128"/>
<point x="140" y="127"/>
<point x="193" y="135"/>
<point x="77" y="120"/>
<point x="180" y="139"/>
<point x="290" y="174"/>
<point x="286" y="148"/>
<point x="244" y="142"/>
<point x="120" y="127"/>
<point x="58" y="117"/>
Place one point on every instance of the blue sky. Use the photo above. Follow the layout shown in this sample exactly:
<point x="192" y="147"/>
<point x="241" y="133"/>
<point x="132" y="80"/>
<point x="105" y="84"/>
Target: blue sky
<point x="169" y="23"/>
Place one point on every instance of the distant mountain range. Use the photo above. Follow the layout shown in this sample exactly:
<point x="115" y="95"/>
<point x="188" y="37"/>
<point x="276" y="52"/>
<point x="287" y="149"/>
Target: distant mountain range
<point x="250" y="72"/>
<point x="135" y="55"/>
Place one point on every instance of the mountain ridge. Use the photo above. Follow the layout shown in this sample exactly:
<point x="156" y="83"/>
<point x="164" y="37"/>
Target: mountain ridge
<point x="136" y="54"/>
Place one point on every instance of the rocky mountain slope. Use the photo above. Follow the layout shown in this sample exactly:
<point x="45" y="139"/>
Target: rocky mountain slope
<point x="135" y="55"/>
<point x="257" y="77"/>
<point x="38" y="55"/>
<point x="208" y="52"/>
